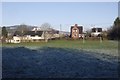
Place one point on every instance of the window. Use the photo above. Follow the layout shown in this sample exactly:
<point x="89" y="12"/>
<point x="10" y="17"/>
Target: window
<point x="94" y="30"/>
<point x="75" y="35"/>
<point x="32" y="35"/>
<point x="99" y="29"/>
<point x="74" y="30"/>
<point x="17" y="40"/>
<point x="34" y="39"/>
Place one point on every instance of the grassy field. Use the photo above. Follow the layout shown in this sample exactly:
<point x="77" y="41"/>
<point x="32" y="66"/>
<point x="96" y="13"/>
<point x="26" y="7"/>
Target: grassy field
<point x="60" y="59"/>
<point x="88" y="45"/>
<point x="95" y="44"/>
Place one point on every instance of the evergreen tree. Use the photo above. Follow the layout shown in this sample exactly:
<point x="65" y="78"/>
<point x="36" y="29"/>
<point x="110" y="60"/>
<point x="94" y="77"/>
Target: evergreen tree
<point x="117" y="22"/>
<point x="4" y="32"/>
<point x="114" y="32"/>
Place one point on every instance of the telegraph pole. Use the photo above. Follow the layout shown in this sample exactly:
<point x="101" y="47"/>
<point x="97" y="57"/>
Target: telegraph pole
<point x="60" y="30"/>
<point x="100" y="39"/>
<point x="60" y="27"/>
<point x="83" y="39"/>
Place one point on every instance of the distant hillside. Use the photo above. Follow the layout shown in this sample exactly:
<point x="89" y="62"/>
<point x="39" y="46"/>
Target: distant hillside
<point x="12" y="29"/>
<point x="16" y="26"/>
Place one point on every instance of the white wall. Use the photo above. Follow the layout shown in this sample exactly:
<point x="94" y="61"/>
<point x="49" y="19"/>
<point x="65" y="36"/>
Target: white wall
<point x="36" y="37"/>
<point x="16" y="39"/>
<point x="96" y="33"/>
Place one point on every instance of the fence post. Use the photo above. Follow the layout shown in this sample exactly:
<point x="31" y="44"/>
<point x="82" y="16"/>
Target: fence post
<point x="83" y="39"/>
<point x="100" y="39"/>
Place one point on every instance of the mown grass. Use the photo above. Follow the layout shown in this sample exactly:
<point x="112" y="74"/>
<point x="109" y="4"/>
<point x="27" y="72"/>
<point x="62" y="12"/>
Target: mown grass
<point x="88" y="44"/>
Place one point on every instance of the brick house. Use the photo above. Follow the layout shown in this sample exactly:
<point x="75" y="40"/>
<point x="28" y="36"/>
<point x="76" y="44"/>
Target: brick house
<point x="76" y="32"/>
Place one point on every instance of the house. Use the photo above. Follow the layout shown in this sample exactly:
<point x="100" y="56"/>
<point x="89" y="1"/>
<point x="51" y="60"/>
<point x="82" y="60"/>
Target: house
<point x="95" y="32"/>
<point x="29" y="36"/>
<point x="76" y="32"/>
<point x="16" y="39"/>
<point x="49" y="32"/>
<point x="34" y="36"/>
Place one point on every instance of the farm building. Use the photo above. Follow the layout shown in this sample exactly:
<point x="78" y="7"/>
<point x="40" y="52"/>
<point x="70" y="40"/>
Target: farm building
<point x="76" y="31"/>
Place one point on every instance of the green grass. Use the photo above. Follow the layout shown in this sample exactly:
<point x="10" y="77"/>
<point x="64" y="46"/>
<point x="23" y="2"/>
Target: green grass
<point x="69" y="44"/>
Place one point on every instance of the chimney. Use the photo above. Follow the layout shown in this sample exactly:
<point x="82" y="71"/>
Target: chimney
<point x="76" y="25"/>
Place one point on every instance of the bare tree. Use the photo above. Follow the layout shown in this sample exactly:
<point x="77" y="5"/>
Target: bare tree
<point x="88" y="33"/>
<point x="46" y="28"/>
<point x="22" y="30"/>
